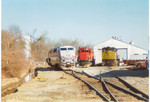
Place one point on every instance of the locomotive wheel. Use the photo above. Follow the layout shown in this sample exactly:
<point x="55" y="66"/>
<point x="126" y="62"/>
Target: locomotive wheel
<point x="47" y="60"/>
<point x="50" y="64"/>
<point x="56" y="67"/>
<point x="88" y="65"/>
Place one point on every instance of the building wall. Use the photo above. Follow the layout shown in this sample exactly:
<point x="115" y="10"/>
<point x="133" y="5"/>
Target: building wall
<point x="97" y="55"/>
<point x="137" y="53"/>
<point x="127" y="51"/>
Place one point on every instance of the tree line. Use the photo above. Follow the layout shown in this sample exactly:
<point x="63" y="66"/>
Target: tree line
<point x="13" y="48"/>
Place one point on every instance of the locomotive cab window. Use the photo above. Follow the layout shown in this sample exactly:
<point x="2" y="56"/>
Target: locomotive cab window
<point x="70" y="48"/>
<point x="63" y="49"/>
<point x="82" y="50"/>
<point x="86" y="51"/>
<point x="55" y="50"/>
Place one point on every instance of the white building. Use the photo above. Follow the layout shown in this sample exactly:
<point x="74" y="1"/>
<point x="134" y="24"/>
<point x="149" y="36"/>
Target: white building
<point x="125" y="50"/>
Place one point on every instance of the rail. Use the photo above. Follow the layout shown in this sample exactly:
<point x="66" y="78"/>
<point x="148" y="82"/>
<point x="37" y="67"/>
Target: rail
<point x="127" y="91"/>
<point x="111" y="95"/>
<point x="88" y="84"/>
<point x="104" y="82"/>
<point x="132" y="88"/>
<point x="118" y="87"/>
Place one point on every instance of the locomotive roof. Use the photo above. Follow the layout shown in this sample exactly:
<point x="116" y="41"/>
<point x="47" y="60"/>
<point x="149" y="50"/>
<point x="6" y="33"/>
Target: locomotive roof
<point x="67" y="46"/>
<point x="109" y="48"/>
<point x="85" y="48"/>
<point x="61" y="47"/>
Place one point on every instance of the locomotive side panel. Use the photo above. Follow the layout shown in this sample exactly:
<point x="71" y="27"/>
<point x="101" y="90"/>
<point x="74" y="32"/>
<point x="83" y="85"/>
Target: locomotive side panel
<point x="54" y="57"/>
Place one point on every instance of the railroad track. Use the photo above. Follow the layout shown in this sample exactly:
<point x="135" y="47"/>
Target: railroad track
<point x="122" y="85"/>
<point x="114" y="89"/>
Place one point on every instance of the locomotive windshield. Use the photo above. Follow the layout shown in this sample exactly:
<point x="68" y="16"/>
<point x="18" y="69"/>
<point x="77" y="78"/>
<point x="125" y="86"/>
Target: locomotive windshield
<point x="63" y="49"/>
<point x="70" y="48"/>
<point x="82" y="50"/>
<point x="66" y="49"/>
<point x="86" y="51"/>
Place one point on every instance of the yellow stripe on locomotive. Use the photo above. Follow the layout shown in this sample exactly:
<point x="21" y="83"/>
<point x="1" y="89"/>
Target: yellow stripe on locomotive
<point x="109" y="54"/>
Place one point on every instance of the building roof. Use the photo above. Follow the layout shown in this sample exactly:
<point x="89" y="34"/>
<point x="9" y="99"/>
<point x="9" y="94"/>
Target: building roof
<point x="120" y="42"/>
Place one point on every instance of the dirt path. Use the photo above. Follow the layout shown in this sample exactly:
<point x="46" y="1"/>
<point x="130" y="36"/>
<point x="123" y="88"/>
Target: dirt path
<point x="52" y="86"/>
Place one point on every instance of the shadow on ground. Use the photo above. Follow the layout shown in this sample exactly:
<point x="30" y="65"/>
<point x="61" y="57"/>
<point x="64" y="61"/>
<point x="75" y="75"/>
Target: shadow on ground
<point x="126" y="73"/>
<point x="46" y="69"/>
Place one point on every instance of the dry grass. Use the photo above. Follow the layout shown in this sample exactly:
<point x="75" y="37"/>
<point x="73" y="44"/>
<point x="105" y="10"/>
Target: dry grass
<point x="13" y="59"/>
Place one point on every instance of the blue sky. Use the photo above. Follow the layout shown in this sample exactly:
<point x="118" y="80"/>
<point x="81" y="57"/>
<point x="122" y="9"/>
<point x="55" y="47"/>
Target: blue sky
<point x="91" y="21"/>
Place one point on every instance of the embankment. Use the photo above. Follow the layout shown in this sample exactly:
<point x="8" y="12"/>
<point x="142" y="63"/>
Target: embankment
<point x="9" y="85"/>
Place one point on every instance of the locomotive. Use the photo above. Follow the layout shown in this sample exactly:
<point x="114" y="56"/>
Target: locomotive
<point x="61" y="57"/>
<point x="109" y="56"/>
<point x="85" y="56"/>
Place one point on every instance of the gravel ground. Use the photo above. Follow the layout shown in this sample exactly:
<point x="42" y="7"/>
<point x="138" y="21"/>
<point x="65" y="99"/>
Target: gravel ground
<point x="53" y="86"/>
<point x="137" y="78"/>
<point x="56" y="86"/>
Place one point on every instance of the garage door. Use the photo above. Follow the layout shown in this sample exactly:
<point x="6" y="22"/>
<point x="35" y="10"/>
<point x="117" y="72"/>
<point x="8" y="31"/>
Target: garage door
<point x="122" y="53"/>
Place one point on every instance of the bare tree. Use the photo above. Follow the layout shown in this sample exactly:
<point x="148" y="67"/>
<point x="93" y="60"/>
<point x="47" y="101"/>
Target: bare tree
<point x="76" y="43"/>
<point x="90" y="45"/>
<point x="40" y="46"/>
<point x="15" y="30"/>
<point x="13" y="59"/>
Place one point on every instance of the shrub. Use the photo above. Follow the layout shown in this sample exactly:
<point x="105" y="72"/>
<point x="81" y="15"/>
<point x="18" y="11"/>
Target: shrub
<point x="13" y="59"/>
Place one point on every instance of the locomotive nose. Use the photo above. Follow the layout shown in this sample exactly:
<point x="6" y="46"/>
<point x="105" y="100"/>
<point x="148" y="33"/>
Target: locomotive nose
<point x="84" y="56"/>
<point x="68" y="55"/>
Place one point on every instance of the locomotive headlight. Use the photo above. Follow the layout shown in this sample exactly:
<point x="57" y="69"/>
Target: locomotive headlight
<point x="63" y="60"/>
